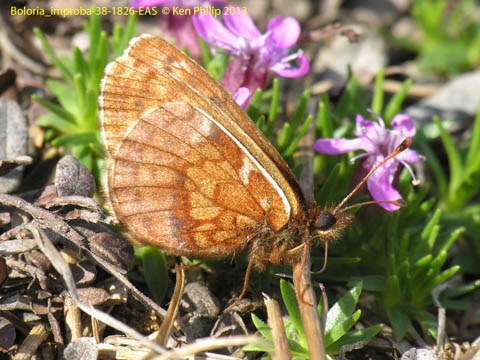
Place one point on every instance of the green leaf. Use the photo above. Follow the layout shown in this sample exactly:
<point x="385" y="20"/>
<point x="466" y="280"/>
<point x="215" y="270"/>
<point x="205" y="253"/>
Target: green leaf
<point x="128" y="31"/>
<point x="474" y="148"/>
<point x="340" y="328"/>
<point x="66" y="73"/>
<point x="461" y="289"/>
<point x="445" y="275"/>
<point x="79" y="65"/>
<point x="301" y="109"/>
<point x="435" y="165"/>
<point x="57" y="110"/>
<point x="284" y="136"/>
<point x="121" y="35"/>
<point x="343" y="308"/>
<point x="377" y="99"/>
<point x="392" y="293"/>
<point x="324" y="120"/>
<point x="83" y="155"/>
<point x="400" y="322"/>
<point x="298" y="136"/>
<point x="352" y="100"/>
<point x="64" y="94"/>
<point x="362" y="336"/>
<point x="290" y="301"/>
<point x="90" y="119"/>
<point x="373" y="283"/>
<point x="427" y="233"/>
<point x="395" y="104"/>
<point x="93" y="27"/>
<point x="155" y="271"/>
<point x="428" y="321"/>
<point x="454" y="160"/>
<point x="80" y="94"/>
<point x="217" y="65"/>
<point x="83" y="139"/>
<point x="274" y="107"/>
<point x="99" y="63"/>
<point x="56" y="122"/>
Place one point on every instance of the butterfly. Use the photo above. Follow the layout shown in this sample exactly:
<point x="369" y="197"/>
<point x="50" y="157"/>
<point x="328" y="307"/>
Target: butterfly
<point x="190" y="173"/>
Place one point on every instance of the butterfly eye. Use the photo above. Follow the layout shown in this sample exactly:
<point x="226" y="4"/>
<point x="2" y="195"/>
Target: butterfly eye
<point x="325" y="221"/>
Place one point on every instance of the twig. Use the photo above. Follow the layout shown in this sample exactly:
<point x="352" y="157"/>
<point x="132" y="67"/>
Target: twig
<point x="62" y="267"/>
<point x="307" y="305"/>
<point x="307" y="302"/>
<point x="282" y="352"/>
<point x="29" y="347"/>
<point x="54" y="222"/>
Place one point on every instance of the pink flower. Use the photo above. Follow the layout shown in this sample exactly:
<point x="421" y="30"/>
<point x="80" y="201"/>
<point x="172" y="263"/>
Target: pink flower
<point x="378" y="142"/>
<point x="254" y="54"/>
<point x="178" y="27"/>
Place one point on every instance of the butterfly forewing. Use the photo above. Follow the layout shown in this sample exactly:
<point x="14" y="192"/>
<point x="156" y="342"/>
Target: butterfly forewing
<point x="186" y="168"/>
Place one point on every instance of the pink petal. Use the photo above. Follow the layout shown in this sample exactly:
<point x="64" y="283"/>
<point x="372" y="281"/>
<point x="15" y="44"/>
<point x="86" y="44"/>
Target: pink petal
<point x="234" y="76"/>
<point x="404" y="124"/>
<point x="242" y="97"/>
<point x="214" y="32"/>
<point x="409" y="156"/>
<point x="285" y="31"/>
<point x="380" y="186"/>
<point x="338" y="146"/>
<point x="242" y="26"/>
<point x="286" y="70"/>
<point x="365" y="126"/>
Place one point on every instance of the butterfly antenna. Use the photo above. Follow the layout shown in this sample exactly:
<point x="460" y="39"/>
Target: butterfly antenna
<point x="398" y="202"/>
<point x="405" y="144"/>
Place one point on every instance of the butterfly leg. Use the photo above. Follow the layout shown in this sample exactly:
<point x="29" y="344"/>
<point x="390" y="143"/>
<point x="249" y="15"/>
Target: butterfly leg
<point x="246" y="282"/>
<point x="301" y="291"/>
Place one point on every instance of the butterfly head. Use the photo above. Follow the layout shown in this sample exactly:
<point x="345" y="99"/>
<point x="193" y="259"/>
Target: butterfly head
<point x="329" y="224"/>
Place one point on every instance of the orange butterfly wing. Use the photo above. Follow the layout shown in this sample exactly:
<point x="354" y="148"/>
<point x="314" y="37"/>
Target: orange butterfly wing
<point x="187" y="169"/>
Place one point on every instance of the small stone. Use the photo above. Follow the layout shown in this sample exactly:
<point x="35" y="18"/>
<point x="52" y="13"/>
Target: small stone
<point x="365" y="57"/>
<point x="7" y="334"/>
<point x="93" y="296"/>
<point x="456" y="104"/>
<point x="113" y="249"/>
<point x="84" y="348"/>
<point x="419" y="354"/>
<point x="13" y="142"/>
<point x="73" y="178"/>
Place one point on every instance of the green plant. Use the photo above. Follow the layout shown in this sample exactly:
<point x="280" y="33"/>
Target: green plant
<point x="450" y="35"/>
<point x="155" y="270"/>
<point x="72" y="123"/>
<point x="401" y="259"/>
<point x="287" y="137"/>
<point x="340" y="319"/>
<point x="399" y="256"/>
<point x="459" y="187"/>
<point x="456" y="186"/>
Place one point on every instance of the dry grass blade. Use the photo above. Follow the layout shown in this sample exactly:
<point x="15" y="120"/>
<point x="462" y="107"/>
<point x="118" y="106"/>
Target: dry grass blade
<point x="29" y="347"/>
<point x="63" y="269"/>
<point x="168" y="323"/>
<point x="47" y="219"/>
<point x="282" y="352"/>
<point x="73" y="320"/>
<point x="208" y="344"/>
